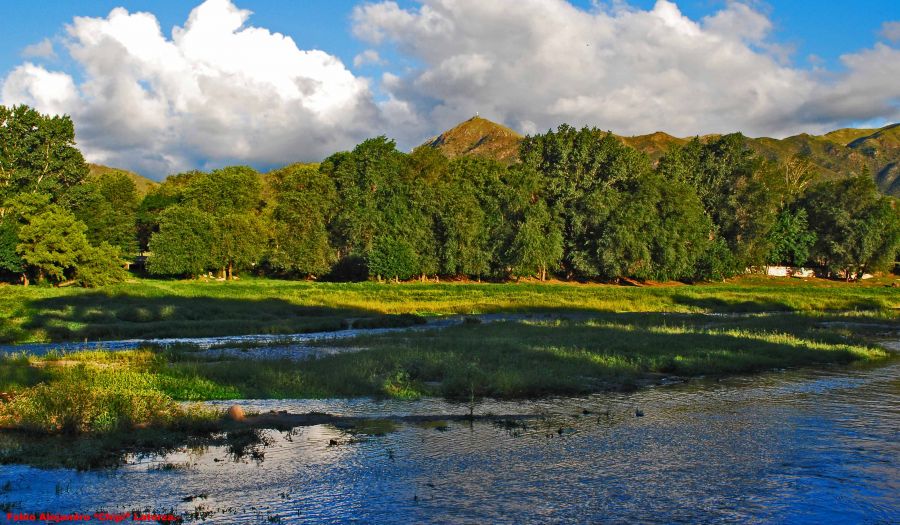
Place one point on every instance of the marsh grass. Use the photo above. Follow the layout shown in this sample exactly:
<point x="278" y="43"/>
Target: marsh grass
<point x="518" y="359"/>
<point x="84" y="409"/>
<point x="148" y="308"/>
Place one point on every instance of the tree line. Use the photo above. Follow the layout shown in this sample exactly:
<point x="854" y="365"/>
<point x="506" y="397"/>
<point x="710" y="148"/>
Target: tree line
<point x="579" y="204"/>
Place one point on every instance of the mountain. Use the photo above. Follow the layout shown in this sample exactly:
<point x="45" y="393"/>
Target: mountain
<point x="141" y="183"/>
<point x="478" y="137"/>
<point x="843" y="152"/>
<point x="835" y="154"/>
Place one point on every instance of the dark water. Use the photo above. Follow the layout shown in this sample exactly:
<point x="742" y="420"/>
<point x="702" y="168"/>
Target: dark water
<point x="791" y="447"/>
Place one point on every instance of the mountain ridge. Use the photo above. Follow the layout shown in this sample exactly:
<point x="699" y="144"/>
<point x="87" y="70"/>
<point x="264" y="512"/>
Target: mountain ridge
<point x="142" y="184"/>
<point x="835" y="154"/>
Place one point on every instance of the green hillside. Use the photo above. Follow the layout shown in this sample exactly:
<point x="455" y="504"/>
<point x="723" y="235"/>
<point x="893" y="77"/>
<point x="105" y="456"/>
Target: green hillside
<point x="478" y="137"/>
<point x="835" y="154"/>
<point x="845" y="136"/>
<point x="141" y="183"/>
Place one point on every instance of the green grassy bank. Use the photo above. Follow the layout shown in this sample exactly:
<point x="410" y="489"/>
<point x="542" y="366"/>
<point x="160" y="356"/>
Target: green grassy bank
<point x="156" y="308"/>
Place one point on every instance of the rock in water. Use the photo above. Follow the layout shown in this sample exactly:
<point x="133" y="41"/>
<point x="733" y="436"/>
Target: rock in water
<point x="236" y="413"/>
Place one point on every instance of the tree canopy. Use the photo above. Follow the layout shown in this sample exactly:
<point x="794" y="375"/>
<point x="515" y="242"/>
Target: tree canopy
<point x="579" y="204"/>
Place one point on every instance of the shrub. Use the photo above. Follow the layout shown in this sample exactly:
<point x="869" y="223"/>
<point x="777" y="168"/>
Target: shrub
<point x="100" y="266"/>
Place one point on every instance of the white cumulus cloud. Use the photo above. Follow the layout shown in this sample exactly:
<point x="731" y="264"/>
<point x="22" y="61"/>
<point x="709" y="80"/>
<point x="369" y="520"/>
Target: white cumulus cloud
<point x="535" y="63"/>
<point x="216" y="91"/>
<point x="369" y="56"/>
<point x="42" y="49"/>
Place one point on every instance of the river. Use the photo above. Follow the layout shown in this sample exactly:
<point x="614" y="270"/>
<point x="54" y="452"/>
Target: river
<point x="781" y="447"/>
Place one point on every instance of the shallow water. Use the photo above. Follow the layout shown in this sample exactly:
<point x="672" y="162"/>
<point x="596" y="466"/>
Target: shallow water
<point x="787" y="447"/>
<point x="225" y="342"/>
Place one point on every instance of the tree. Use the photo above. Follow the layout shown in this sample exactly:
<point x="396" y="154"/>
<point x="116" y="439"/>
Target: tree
<point x="184" y="243"/>
<point x="538" y="244"/>
<point x="224" y="191"/>
<point x="241" y="241"/>
<point x="107" y="204"/>
<point x="392" y="258"/>
<point x="10" y="259"/>
<point x="386" y="195"/>
<point x="581" y="170"/>
<point x="52" y="243"/>
<point x="366" y="181"/>
<point x="468" y="220"/>
<point x="155" y="202"/>
<point x="304" y="204"/>
<point x="857" y="229"/>
<point x="740" y="192"/>
<point x="790" y="238"/>
<point x="99" y="266"/>
<point x="681" y="233"/>
<point x="19" y="210"/>
<point x="37" y="154"/>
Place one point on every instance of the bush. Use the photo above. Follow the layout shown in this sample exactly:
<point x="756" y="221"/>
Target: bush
<point x="101" y="266"/>
<point x="717" y="263"/>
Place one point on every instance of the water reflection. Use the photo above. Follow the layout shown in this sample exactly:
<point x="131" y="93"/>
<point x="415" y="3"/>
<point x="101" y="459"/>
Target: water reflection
<point x="783" y="447"/>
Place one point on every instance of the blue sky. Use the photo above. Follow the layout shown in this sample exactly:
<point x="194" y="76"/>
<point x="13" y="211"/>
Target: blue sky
<point x="230" y="93"/>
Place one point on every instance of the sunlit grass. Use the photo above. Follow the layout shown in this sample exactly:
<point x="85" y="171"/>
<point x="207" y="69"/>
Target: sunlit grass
<point x="156" y="308"/>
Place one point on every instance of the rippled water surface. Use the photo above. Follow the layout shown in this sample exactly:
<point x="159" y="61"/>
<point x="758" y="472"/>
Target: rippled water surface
<point x="790" y="447"/>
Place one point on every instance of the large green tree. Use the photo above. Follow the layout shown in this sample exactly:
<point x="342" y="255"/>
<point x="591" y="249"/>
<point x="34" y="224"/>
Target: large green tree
<point x="52" y="243"/>
<point x="107" y="204"/>
<point x="392" y="258"/>
<point x="537" y="246"/>
<point x="857" y="229"/>
<point x="241" y="239"/>
<point x="581" y="173"/>
<point x="741" y="193"/>
<point x="37" y="154"/>
<point x="185" y="242"/>
<point x="226" y="190"/>
<point x="790" y="238"/>
<point x="304" y="203"/>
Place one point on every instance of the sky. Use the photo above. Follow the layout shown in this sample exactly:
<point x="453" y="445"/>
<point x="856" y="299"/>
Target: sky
<point x="163" y="86"/>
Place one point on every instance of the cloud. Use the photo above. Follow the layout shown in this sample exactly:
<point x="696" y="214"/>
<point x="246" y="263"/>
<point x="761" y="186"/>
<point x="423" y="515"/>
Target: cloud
<point x="42" y="49"/>
<point x="369" y="56"/>
<point x="535" y="63"/>
<point x="867" y="91"/>
<point x="890" y="31"/>
<point x="217" y="91"/>
<point x="52" y="92"/>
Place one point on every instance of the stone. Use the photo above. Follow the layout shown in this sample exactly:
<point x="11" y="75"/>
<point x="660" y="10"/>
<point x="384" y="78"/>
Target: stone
<point x="235" y="413"/>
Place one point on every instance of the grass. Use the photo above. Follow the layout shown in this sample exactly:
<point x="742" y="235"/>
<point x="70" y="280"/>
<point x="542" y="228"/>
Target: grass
<point x="148" y="308"/>
<point x="505" y="360"/>
<point x="90" y="409"/>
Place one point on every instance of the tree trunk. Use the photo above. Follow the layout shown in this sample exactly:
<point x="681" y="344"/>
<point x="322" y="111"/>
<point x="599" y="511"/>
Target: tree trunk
<point x="230" y="271"/>
<point x="24" y="279"/>
<point x="40" y="277"/>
